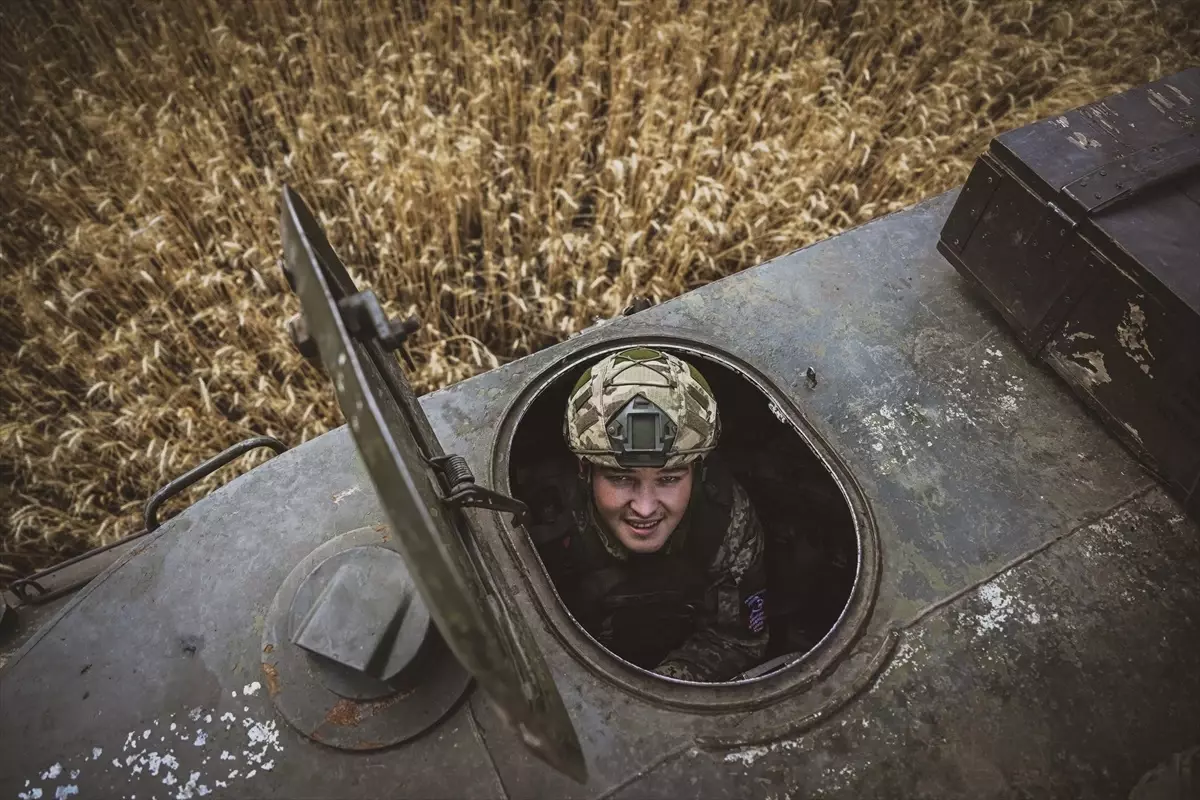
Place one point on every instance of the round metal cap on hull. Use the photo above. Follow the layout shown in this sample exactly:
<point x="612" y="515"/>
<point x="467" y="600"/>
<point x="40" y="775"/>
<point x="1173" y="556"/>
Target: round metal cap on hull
<point x="350" y="656"/>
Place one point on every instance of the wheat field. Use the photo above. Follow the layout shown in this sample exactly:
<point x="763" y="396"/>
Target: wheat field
<point x="508" y="172"/>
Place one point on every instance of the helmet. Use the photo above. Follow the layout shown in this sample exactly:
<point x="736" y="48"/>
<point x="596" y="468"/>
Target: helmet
<point x="641" y="408"/>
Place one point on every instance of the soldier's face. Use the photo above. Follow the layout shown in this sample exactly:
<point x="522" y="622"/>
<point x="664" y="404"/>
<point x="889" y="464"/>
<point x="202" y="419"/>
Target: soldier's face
<point x="643" y="506"/>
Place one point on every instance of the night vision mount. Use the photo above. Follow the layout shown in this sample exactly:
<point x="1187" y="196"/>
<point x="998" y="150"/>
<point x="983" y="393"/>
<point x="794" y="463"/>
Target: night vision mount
<point x="641" y="434"/>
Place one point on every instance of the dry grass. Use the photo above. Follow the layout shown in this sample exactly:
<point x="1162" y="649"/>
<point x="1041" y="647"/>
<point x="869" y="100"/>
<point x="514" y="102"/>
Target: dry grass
<point x="507" y="174"/>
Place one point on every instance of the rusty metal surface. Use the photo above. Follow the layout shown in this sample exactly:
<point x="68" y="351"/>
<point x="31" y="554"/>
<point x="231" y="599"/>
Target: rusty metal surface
<point x="969" y="456"/>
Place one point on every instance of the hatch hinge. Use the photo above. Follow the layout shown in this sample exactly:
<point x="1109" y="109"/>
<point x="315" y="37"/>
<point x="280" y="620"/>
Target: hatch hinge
<point x="464" y="491"/>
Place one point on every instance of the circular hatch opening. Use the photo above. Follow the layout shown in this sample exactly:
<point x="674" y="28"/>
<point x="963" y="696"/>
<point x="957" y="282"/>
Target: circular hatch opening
<point x="814" y="550"/>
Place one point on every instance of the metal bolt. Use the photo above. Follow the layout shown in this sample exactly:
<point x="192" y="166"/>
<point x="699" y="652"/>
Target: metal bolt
<point x="398" y="331"/>
<point x="1083" y="183"/>
<point x="1096" y="195"/>
<point x="1103" y="173"/>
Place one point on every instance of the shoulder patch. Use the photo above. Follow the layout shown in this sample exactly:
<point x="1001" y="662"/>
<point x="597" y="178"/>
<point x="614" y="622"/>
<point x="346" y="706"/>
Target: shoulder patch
<point x="756" y="608"/>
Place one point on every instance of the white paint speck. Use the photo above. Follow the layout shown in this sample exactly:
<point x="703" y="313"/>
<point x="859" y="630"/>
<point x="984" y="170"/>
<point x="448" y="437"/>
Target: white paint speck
<point x="1008" y="403"/>
<point x="146" y="733"/>
<point x="1063" y="122"/>
<point x="194" y="714"/>
<point x="262" y="739"/>
<point x="340" y="496"/>
<point x="1004" y="607"/>
<point x="33" y="794"/>
<point x="52" y="773"/>
<point x="910" y="648"/>
<point x="746" y="756"/>
<point x="63" y="792"/>
<point x="1133" y="431"/>
<point x="251" y="688"/>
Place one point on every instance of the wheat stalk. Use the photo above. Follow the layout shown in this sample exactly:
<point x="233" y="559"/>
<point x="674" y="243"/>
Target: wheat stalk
<point x="506" y="173"/>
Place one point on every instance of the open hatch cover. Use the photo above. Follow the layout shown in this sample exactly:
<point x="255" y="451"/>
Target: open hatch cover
<point x="420" y="488"/>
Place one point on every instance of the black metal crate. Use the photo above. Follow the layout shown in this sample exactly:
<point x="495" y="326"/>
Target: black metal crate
<point x="1083" y="231"/>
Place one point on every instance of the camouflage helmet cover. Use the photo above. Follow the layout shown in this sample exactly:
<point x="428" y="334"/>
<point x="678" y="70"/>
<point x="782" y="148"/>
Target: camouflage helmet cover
<point x="640" y="396"/>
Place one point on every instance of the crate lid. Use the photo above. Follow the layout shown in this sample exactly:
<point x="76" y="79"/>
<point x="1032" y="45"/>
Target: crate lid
<point x="1126" y="169"/>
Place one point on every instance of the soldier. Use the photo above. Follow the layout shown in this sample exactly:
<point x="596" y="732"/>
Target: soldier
<point x="652" y="544"/>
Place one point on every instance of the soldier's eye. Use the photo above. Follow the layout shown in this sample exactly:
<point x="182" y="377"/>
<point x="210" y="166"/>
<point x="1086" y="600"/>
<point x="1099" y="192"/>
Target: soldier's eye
<point x="669" y="480"/>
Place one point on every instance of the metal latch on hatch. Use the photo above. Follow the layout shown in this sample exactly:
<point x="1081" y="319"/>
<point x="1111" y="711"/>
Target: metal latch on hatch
<point x="366" y="321"/>
<point x="464" y="491"/>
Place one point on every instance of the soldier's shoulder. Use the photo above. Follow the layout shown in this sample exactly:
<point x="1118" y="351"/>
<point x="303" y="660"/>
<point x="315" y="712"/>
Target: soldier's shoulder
<point x="720" y="485"/>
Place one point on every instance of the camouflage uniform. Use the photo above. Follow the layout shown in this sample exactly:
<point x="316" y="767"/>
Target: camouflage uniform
<point x="695" y="610"/>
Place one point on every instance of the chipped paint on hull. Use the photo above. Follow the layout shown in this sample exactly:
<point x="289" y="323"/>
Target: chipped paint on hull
<point x="1082" y="141"/>
<point x="748" y="755"/>
<point x="340" y="496"/>
<point x="147" y="755"/>
<point x="1131" y="333"/>
<point x="1087" y="368"/>
<point x="1187" y="101"/>
<point x="1160" y="102"/>
<point x="1133" y="432"/>
<point x="1003" y="607"/>
<point x="978" y="394"/>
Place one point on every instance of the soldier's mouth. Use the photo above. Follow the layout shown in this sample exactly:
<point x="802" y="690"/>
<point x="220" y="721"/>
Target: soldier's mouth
<point x="643" y="526"/>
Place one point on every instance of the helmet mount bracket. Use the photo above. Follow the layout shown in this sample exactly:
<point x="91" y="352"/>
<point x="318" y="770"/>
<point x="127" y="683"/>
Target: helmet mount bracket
<point x="641" y="434"/>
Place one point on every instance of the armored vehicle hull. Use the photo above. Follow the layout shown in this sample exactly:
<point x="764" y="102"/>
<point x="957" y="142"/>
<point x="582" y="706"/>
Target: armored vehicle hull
<point x="1022" y="620"/>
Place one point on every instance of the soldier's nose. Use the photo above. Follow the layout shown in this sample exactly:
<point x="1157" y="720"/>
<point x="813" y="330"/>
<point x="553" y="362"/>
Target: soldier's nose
<point x="643" y="506"/>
